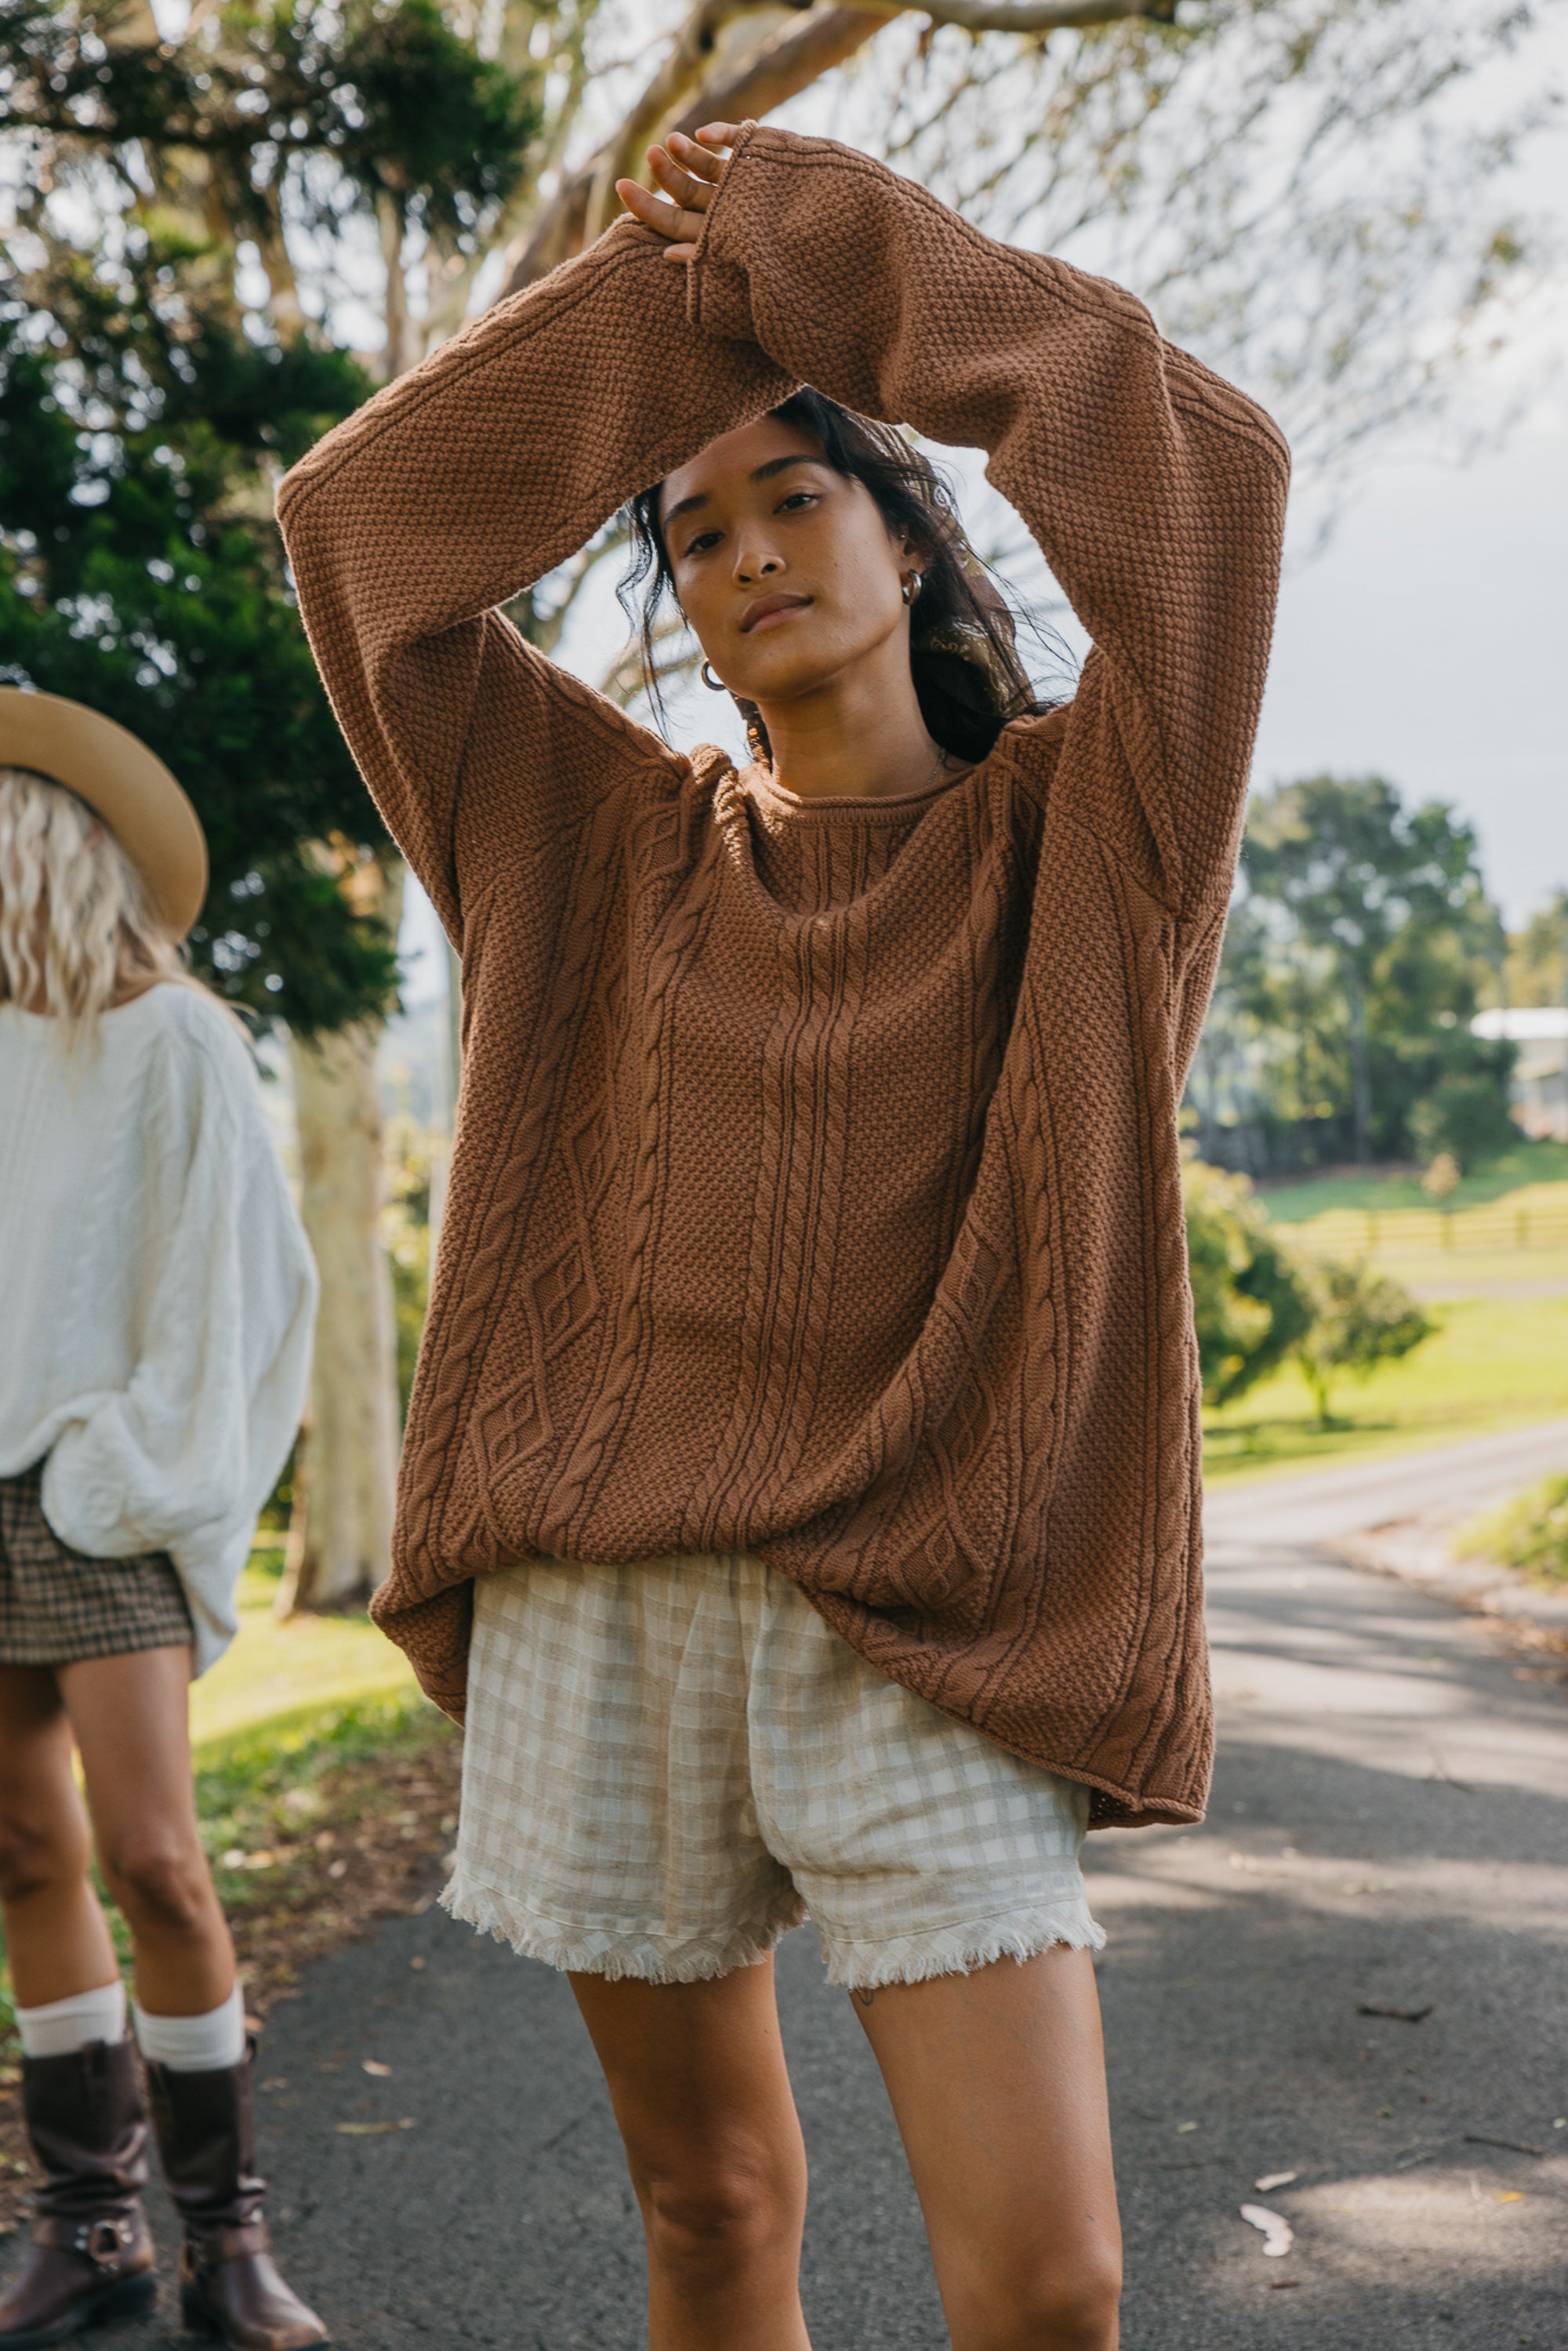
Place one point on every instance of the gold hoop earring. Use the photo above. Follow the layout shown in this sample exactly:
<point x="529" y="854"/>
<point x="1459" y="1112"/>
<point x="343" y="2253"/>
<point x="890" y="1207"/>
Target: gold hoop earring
<point x="714" y="684"/>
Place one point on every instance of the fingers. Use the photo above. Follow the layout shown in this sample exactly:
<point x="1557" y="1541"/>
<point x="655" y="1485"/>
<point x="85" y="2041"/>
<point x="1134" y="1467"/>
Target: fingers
<point x="693" y="188"/>
<point x="671" y="221"/>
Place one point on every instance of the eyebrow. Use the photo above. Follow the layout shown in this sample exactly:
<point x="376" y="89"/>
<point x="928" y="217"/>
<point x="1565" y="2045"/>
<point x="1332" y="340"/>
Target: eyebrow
<point x="758" y="474"/>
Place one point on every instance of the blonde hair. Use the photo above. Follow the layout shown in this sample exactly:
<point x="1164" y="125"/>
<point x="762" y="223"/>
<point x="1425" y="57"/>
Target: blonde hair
<point x="76" y="926"/>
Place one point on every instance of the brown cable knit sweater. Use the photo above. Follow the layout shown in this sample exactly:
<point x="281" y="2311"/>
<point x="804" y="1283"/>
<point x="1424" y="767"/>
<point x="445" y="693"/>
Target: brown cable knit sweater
<point x="815" y="1188"/>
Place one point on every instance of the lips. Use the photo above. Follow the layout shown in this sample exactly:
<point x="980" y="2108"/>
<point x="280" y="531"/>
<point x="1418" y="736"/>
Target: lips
<point x="769" y="608"/>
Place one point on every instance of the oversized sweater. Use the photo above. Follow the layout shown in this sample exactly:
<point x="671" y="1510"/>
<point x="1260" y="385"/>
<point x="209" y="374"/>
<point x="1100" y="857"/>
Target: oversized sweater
<point x="158" y="1292"/>
<point x="814" y="1192"/>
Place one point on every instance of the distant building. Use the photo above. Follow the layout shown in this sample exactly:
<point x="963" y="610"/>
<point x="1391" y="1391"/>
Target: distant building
<point x="1539" y="1084"/>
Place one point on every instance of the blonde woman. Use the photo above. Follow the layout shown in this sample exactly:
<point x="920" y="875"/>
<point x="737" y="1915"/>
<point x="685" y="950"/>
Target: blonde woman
<point x="158" y="1304"/>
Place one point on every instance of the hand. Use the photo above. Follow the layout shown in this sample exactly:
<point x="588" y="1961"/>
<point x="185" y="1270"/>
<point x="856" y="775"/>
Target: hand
<point x="689" y="171"/>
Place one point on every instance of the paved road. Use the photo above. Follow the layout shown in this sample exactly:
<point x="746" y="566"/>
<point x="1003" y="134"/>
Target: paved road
<point x="1389" y="1830"/>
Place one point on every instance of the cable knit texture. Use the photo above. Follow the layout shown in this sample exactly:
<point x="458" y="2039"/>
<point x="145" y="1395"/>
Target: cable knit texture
<point x="158" y="1290"/>
<point x="815" y="1187"/>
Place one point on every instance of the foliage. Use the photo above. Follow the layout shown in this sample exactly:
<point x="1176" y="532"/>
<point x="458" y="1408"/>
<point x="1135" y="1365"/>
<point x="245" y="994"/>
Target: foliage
<point x="1463" y="1122"/>
<point x="140" y="572"/>
<point x="145" y="412"/>
<point x="1357" y="952"/>
<point x="1249" y="1304"/>
<point x="412" y="1154"/>
<point x="1359" y="1320"/>
<point x="385" y="91"/>
<point x="1530" y="1533"/>
<point x="1537" y="969"/>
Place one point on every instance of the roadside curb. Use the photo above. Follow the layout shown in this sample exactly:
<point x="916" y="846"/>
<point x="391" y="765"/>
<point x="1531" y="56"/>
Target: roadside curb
<point x="1417" y="1551"/>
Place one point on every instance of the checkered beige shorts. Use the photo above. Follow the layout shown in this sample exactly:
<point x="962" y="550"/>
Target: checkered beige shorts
<point x="669" y="1764"/>
<point x="58" y="1606"/>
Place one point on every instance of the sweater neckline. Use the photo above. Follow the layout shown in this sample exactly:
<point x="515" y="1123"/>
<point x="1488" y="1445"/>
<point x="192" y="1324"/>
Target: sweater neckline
<point x="757" y="783"/>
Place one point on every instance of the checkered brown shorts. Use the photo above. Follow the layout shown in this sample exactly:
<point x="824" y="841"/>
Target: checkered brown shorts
<point x="59" y="1606"/>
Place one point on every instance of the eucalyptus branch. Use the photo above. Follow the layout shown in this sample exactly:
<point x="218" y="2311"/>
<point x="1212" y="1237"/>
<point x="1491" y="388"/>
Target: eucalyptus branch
<point x="1041" y="15"/>
<point x="679" y="98"/>
<point x="779" y="71"/>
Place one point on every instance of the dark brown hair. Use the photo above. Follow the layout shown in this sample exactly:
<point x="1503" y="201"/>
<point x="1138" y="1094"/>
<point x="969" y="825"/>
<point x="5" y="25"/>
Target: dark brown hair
<point x="969" y="679"/>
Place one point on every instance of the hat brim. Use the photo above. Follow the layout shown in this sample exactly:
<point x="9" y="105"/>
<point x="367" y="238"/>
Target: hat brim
<point x="121" y="781"/>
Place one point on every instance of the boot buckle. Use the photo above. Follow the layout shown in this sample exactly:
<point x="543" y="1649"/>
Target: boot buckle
<point x="105" y="2241"/>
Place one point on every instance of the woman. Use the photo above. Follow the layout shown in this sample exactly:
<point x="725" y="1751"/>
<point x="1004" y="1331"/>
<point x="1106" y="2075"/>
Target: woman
<point x="800" y="1489"/>
<point x="159" y="1297"/>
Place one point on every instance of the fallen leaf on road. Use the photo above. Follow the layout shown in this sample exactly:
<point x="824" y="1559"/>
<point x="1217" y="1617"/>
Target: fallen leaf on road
<point x="370" y="2130"/>
<point x="1514" y="2145"/>
<point x="1274" y="2180"/>
<point x="374" y="2066"/>
<point x="1400" y="2015"/>
<point x="1367" y="1886"/>
<point x="1278" y="2234"/>
<point x="1282" y="2281"/>
<point x="1182" y="2129"/>
<point x="1509" y="2196"/>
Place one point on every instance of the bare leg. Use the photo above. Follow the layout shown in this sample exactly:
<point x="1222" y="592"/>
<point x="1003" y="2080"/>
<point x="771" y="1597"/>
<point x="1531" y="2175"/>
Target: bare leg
<point x="56" y="1934"/>
<point x="998" y="2080"/>
<point x="713" y="2143"/>
<point x="128" y="1715"/>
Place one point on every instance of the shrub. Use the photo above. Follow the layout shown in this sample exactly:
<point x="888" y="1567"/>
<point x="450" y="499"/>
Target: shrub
<point x="1250" y="1304"/>
<point x="1360" y="1319"/>
<point x="1531" y="1532"/>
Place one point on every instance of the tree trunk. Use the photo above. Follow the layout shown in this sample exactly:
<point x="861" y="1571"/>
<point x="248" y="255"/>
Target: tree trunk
<point x="1360" y="1071"/>
<point x="339" y="1537"/>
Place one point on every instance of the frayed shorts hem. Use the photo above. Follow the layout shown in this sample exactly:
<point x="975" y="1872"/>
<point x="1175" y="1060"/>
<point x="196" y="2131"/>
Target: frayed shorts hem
<point x="955" y="1948"/>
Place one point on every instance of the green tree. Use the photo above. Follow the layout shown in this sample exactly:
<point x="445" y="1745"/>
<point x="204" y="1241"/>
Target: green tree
<point x="1251" y="1302"/>
<point x="1537" y="969"/>
<point x="1359" y="1320"/>
<point x="140" y="572"/>
<point x="1366" y="938"/>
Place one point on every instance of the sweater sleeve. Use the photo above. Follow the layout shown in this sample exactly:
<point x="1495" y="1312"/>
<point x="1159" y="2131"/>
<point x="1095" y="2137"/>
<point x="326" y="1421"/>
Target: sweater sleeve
<point x="1155" y="490"/>
<point x="458" y="486"/>
<point x="181" y="1459"/>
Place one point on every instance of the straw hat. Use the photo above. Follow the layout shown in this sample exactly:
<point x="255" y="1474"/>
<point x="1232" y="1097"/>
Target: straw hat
<point x="121" y="781"/>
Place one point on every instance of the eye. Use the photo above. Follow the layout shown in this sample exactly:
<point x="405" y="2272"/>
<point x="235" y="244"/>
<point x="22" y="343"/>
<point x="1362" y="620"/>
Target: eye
<point x="797" y="499"/>
<point x="702" y="542"/>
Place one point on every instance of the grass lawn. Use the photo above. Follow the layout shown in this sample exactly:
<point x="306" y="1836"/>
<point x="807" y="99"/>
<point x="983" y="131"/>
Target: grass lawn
<point x="1527" y="1163"/>
<point x="274" y="1669"/>
<point x="1494" y="1363"/>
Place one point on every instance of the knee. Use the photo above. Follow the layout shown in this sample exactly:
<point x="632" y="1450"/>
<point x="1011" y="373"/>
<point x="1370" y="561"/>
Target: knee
<point x="714" y="2223"/>
<point x="159" y="1882"/>
<point x="36" y="1858"/>
<point x="1071" y="2306"/>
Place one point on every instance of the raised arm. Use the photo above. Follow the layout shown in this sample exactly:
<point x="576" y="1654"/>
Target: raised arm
<point x="461" y="485"/>
<point x="1155" y="491"/>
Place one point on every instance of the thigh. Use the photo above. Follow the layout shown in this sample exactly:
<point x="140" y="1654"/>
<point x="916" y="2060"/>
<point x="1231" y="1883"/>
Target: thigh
<point x="38" y="1801"/>
<point x="696" y="2075"/>
<point x="130" y="1716"/>
<point x="998" y="2080"/>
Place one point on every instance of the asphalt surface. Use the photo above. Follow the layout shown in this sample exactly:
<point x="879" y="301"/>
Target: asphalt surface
<point x="1389" y="1831"/>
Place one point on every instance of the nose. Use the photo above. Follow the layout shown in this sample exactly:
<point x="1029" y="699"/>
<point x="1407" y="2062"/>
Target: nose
<point x="754" y="562"/>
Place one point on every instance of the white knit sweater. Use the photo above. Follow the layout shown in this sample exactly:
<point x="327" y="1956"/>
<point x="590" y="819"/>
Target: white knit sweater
<point x="156" y="1291"/>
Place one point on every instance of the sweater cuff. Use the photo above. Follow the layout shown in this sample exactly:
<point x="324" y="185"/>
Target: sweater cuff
<point x="719" y="287"/>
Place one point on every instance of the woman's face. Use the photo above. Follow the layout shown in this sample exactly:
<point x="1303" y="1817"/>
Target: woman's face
<point x="785" y="569"/>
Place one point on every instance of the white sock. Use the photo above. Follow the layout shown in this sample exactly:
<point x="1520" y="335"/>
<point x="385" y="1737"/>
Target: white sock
<point x="193" y="2044"/>
<point x="62" y="2025"/>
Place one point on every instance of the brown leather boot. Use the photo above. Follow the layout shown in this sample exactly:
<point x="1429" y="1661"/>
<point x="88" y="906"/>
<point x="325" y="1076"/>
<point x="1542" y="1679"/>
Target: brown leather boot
<point x="229" y="2284"/>
<point x="90" y="2259"/>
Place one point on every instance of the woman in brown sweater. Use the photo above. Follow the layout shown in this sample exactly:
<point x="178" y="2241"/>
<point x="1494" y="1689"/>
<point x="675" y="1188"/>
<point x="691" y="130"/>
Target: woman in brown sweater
<point x="800" y="1491"/>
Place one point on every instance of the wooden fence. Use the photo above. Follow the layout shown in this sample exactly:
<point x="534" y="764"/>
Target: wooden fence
<point x="1536" y="1217"/>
